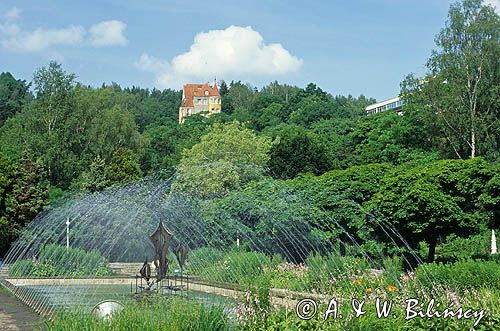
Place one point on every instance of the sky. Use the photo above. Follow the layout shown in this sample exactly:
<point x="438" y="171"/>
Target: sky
<point x="345" y="47"/>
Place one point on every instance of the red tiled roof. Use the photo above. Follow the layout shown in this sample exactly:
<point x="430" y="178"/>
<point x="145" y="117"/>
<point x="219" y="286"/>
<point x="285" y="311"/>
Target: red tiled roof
<point x="198" y="90"/>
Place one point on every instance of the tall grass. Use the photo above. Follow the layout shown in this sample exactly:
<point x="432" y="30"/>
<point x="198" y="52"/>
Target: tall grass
<point x="164" y="314"/>
<point x="57" y="261"/>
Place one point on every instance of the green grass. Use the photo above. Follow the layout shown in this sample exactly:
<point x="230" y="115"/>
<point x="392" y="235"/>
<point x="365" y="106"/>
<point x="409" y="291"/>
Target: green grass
<point x="6" y="291"/>
<point x="162" y="315"/>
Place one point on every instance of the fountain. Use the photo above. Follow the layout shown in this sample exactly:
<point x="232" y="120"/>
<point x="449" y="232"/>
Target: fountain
<point x="112" y="231"/>
<point x="163" y="283"/>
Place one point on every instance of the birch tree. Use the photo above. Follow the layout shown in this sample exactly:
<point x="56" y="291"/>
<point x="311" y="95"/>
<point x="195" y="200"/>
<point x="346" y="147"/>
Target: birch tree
<point x="463" y="87"/>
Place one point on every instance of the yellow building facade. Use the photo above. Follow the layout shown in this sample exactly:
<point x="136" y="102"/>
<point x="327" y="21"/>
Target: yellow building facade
<point x="199" y="98"/>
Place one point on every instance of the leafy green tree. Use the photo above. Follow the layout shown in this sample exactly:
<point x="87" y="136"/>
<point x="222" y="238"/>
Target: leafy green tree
<point x="389" y="137"/>
<point x="341" y="195"/>
<point x="297" y="151"/>
<point x="149" y="107"/>
<point x="167" y="141"/>
<point x="113" y="129"/>
<point x="6" y="182"/>
<point x="312" y="109"/>
<point x="228" y="157"/>
<point x="241" y="94"/>
<point x="461" y="92"/>
<point x="223" y="89"/>
<point x="94" y="179"/>
<point x="14" y="94"/>
<point x="490" y="198"/>
<point x="335" y="136"/>
<point x="349" y="106"/>
<point x="29" y="194"/>
<point x="124" y="167"/>
<point x="53" y="88"/>
<point x="54" y="95"/>
<point x="42" y="125"/>
<point x="428" y="203"/>
<point x="314" y="90"/>
<point x="269" y="216"/>
<point x="269" y="116"/>
<point x="284" y="92"/>
<point x="238" y="101"/>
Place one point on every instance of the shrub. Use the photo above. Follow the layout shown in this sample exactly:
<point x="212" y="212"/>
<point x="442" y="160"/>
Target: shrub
<point x="460" y="276"/>
<point x="56" y="261"/>
<point x="22" y="268"/>
<point x="236" y="267"/>
<point x="202" y="258"/>
<point x="333" y="269"/>
<point x="456" y="248"/>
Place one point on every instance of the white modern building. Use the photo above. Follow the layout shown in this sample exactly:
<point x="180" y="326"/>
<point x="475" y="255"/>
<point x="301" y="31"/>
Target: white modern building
<point x="394" y="104"/>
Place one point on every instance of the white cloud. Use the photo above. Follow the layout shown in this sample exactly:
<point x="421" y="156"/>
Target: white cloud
<point x="151" y="64"/>
<point x="494" y="3"/>
<point x="235" y="52"/>
<point x="108" y="33"/>
<point x="14" y="38"/>
<point x="41" y="39"/>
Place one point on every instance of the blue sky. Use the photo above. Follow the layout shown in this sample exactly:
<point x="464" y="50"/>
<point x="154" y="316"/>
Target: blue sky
<point x="345" y="47"/>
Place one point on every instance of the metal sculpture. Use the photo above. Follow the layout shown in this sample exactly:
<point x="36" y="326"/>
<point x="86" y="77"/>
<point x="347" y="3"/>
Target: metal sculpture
<point x="161" y="239"/>
<point x="163" y="284"/>
<point x="146" y="271"/>
<point x="181" y="253"/>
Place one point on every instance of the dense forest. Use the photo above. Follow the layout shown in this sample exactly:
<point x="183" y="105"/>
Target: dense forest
<point x="433" y="171"/>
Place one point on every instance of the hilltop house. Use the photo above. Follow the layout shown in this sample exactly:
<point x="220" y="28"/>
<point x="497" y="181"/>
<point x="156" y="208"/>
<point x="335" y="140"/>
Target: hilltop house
<point x="199" y="98"/>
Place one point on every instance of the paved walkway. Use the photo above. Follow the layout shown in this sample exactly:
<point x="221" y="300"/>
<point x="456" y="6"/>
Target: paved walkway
<point x="15" y="316"/>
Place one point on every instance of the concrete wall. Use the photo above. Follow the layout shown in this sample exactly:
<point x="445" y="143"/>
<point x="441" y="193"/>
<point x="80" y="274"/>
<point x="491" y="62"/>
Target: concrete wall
<point x="125" y="269"/>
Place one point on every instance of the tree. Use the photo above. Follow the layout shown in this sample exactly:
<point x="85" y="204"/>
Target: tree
<point x="29" y="194"/>
<point x="112" y="129"/>
<point x="42" y="126"/>
<point x="271" y="218"/>
<point x="335" y="135"/>
<point x="241" y="95"/>
<point x="228" y="157"/>
<point x="490" y="198"/>
<point x="312" y="109"/>
<point x="66" y="127"/>
<point x="297" y="151"/>
<point x="268" y="116"/>
<point x="223" y="89"/>
<point x="389" y="137"/>
<point x="14" y="94"/>
<point x="285" y="92"/>
<point x="124" y="167"/>
<point x="340" y="194"/>
<point x="462" y="90"/>
<point x="167" y="141"/>
<point x="428" y="203"/>
<point x="94" y="179"/>
<point x="53" y="89"/>
<point x="6" y="182"/>
<point x="313" y="90"/>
